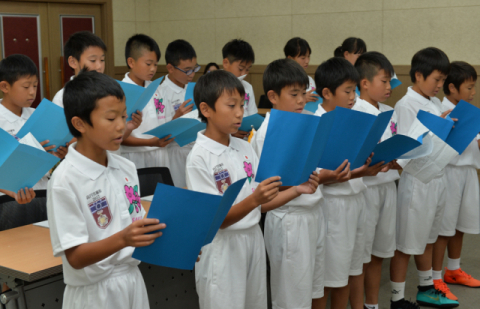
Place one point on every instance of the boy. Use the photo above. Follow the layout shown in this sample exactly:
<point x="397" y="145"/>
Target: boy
<point x="462" y="213"/>
<point x="375" y="72"/>
<point x="299" y="50"/>
<point x="93" y="202"/>
<point x="238" y="58"/>
<point x="344" y="203"/>
<point x="420" y="205"/>
<point x="142" y="55"/>
<point x="232" y="271"/>
<point x="18" y="83"/>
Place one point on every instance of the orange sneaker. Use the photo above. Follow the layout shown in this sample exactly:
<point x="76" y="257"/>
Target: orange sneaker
<point x="458" y="276"/>
<point x="442" y="287"/>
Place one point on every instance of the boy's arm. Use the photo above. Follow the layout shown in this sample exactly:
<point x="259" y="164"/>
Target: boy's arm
<point x="21" y="197"/>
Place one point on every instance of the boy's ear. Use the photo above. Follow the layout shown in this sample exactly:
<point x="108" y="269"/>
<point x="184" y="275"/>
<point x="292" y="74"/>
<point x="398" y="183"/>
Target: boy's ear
<point x="451" y="87"/>
<point x="73" y="63"/>
<point x="272" y="97"/>
<point x="130" y="62"/>
<point x="170" y="68"/>
<point x="205" y="109"/>
<point x="4" y="86"/>
<point x="418" y="76"/>
<point x="79" y="124"/>
<point x="364" y="83"/>
<point x="327" y="94"/>
<point x="290" y="57"/>
<point x="225" y="63"/>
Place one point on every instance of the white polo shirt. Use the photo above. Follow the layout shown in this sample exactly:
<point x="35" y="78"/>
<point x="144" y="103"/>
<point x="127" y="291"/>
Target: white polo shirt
<point x="88" y="202"/>
<point x="471" y="155"/>
<point x="250" y="106"/>
<point x="58" y="98"/>
<point x="391" y="130"/>
<point x="304" y="200"/>
<point x="351" y="187"/>
<point x="172" y="95"/>
<point x="12" y="123"/>
<point x="311" y="85"/>
<point x="212" y="167"/>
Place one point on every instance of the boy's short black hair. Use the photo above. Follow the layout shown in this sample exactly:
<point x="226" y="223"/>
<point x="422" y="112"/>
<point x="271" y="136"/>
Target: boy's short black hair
<point x="351" y="45"/>
<point x="79" y="42"/>
<point x="82" y="93"/>
<point x="297" y="47"/>
<point x="137" y="43"/>
<point x="460" y="72"/>
<point x="282" y="73"/>
<point x="15" y="67"/>
<point x="211" y="86"/>
<point x="179" y="50"/>
<point x="236" y="50"/>
<point x="368" y="65"/>
<point x="332" y="73"/>
<point x="428" y="60"/>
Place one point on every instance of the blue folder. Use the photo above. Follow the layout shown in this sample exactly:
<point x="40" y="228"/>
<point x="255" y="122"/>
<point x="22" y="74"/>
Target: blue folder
<point x="47" y="122"/>
<point x="466" y="128"/>
<point x="394" y="147"/>
<point x="22" y="165"/>
<point x="183" y="129"/>
<point x="189" y="95"/>
<point x="138" y="97"/>
<point x="192" y="219"/>
<point x="254" y="121"/>
<point x="312" y="106"/>
<point x="394" y="83"/>
<point x="439" y="126"/>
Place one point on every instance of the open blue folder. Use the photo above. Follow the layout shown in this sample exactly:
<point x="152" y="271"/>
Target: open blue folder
<point x="183" y="129"/>
<point x="254" y="121"/>
<point x="439" y="126"/>
<point x="295" y="150"/>
<point x="312" y="106"/>
<point x="138" y="97"/>
<point x="394" y="147"/>
<point x="47" y="122"/>
<point x="189" y="95"/>
<point x="22" y="165"/>
<point x="394" y="83"/>
<point x="192" y="219"/>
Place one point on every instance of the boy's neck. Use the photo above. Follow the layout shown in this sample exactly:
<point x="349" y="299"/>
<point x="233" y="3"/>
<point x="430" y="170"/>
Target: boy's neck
<point x="216" y="135"/>
<point x="452" y="99"/>
<point x="136" y="80"/>
<point x="365" y="97"/>
<point x="419" y="91"/>
<point x="176" y="82"/>
<point x="17" y="110"/>
<point x="91" y="151"/>
<point x="328" y="106"/>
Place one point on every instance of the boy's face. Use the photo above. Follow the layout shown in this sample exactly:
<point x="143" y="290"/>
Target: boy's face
<point x="228" y="114"/>
<point x="431" y="85"/>
<point x="237" y="68"/>
<point x="379" y="88"/>
<point x="179" y="77"/>
<point x="302" y="60"/>
<point x="108" y="124"/>
<point x="93" y="58"/>
<point x="344" y="95"/>
<point x="145" y="67"/>
<point x="291" y="98"/>
<point x="21" y="93"/>
<point x="466" y="91"/>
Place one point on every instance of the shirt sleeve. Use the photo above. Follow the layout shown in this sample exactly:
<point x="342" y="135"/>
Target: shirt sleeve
<point x="405" y="118"/>
<point x="252" y="104"/>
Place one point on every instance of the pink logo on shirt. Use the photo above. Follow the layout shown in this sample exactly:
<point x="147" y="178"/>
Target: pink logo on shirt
<point x="247" y="167"/>
<point x="393" y="127"/>
<point x="159" y="105"/>
<point x="133" y="199"/>
<point x="247" y="99"/>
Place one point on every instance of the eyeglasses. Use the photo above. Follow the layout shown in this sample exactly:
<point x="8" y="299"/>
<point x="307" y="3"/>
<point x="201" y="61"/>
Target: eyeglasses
<point x="194" y="70"/>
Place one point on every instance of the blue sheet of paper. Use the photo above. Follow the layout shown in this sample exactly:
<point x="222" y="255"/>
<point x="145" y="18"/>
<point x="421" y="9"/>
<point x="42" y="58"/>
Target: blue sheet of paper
<point x="254" y="121"/>
<point x="312" y="106"/>
<point x="183" y="129"/>
<point x="439" y="126"/>
<point x="394" y="83"/>
<point x="47" y="122"/>
<point x="466" y="127"/>
<point x="22" y="165"/>
<point x="189" y="95"/>
<point x="192" y="219"/>
<point x="393" y="148"/>
<point x="138" y="97"/>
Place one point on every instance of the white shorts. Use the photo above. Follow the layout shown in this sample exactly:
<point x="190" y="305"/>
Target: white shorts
<point x="345" y="240"/>
<point x="462" y="207"/>
<point x="124" y="288"/>
<point x="232" y="272"/>
<point x="295" y="247"/>
<point x="152" y="158"/>
<point x="420" y="209"/>
<point x="381" y="210"/>
<point x="177" y="162"/>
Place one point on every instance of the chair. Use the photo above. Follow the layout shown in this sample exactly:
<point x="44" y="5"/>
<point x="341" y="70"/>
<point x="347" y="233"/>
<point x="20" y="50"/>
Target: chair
<point x="150" y="176"/>
<point x="14" y="215"/>
<point x="264" y="102"/>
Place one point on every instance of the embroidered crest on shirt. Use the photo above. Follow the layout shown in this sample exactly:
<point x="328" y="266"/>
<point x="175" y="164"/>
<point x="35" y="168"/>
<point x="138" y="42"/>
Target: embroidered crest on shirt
<point x="247" y="99"/>
<point x="133" y="199"/>
<point x="159" y="105"/>
<point x="222" y="178"/>
<point x="247" y="167"/>
<point x="101" y="212"/>
<point x="393" y="127"/>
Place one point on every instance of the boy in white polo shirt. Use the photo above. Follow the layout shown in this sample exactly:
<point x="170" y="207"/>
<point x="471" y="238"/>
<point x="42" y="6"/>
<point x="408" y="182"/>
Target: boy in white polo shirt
<point x="462" y="213"/>
<point x="238" y="58"/>
<point x="232" y="271"/>
<point x="420" y="205"/>
<point x="344" y="203"/>
<point x="93" y="202"/>
<point x="375" y="72"/>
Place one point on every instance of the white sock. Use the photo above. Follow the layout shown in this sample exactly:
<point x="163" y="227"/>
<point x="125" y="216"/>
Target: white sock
<point x="425" y="277"/>
<point x="371" y="306"/>
<point x="398" y="290"/>
<point x="453" y="264"/>
<point x="437" y="274"/>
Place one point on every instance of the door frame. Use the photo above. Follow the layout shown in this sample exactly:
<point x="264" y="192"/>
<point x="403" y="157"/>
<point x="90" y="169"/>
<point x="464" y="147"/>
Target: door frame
<point x="106" y="25"/>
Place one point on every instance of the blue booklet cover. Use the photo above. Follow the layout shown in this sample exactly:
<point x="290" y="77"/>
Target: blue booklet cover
<point x="192" y="219"/>
<point x="183" y="129"/>
<point x="312" y="106"/>
<point x="439" y="126"/>
<point x="254" y="121"/>
<point x="189" y="95"/>
<point x="394" y="83"/>
<point x="465" y="128"/>
<point x="138" y="97"/>
<point x="47" y="122"/>
<point x="22" y="165"/>
<point x="394" y="147"/>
